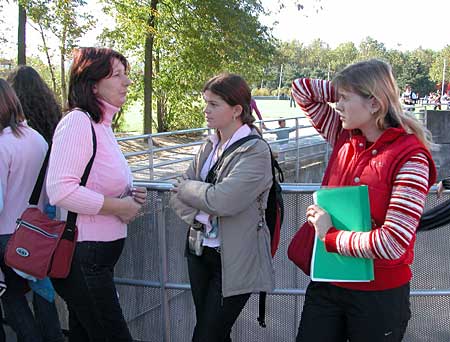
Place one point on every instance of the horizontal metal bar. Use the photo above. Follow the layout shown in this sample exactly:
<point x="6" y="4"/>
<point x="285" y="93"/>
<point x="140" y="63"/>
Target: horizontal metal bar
<point x="278" y="292"/>
<point x="163" y="134"/>
<point x="289" y="188"/>
<point x="170" y="162"/>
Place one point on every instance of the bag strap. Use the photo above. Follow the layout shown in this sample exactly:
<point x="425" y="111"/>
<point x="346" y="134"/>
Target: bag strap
<point x="211" y="177"/>
<point x="71" y="216"/>
<point x="34" y="198"/>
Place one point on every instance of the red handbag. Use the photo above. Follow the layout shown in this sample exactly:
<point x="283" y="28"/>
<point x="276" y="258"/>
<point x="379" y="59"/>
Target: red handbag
<point x="301" y="247"/>
<point x="41" y="246"/>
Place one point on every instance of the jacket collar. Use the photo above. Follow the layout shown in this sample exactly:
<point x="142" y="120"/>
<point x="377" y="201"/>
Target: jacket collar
<point x="386" y="137"/>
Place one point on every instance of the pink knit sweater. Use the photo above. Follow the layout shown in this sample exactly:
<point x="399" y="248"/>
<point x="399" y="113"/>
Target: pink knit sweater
<point x="20" y="162"/>
<point x="110" y="175"/>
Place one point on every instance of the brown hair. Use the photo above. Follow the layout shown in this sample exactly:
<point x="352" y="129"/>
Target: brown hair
<point x="374" y="78"/>
<point x="11" y="113"/>
<point x="235" y="91"/>
<point x="89" y="66"/>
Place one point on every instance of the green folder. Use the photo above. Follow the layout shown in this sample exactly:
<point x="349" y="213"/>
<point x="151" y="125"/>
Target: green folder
<point x="349" y="209"/>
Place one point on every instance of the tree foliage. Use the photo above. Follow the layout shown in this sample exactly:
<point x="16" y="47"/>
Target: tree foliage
<point x="65" y="20"/>
<point x="193" y="40"/>
<point x="174" y="46"/>
<point x="420" y="68"/>
<point x="438" y="65"/>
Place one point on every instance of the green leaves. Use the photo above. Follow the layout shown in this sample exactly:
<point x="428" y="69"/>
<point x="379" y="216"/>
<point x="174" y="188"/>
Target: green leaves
<point x="192" y="41"/>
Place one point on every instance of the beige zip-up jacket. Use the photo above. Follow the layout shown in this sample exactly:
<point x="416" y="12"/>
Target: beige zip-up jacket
<point x="238" y="198"/>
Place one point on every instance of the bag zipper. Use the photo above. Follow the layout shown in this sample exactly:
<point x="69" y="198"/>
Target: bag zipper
<point x="34" y="228"/>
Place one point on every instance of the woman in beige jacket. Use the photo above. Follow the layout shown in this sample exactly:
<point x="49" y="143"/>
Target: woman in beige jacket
<point x="234" y="258"/>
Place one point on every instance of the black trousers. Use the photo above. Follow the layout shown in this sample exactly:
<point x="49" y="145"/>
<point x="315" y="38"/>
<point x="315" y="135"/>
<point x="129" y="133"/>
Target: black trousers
<point x="90" y="294"/>
<point x="335" y="314"/>
<point x="215" y="314"/>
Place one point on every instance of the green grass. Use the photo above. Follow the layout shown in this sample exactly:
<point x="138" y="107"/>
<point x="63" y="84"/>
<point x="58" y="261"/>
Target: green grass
<point x="274" y="109"/>
<point x="270" y="109"/>
<point x="134" y="118"/>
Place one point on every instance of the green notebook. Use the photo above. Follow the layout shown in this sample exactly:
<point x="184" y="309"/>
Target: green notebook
<point x="349" y="209"/>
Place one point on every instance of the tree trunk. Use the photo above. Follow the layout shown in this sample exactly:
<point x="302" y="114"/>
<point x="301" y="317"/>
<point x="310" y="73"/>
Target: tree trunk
<point x="159" y="100"/>
<point x="63" y="70"/>
<point x="148" y="78"/>
<point x="21" y="37"/>
<point x="148" y="71"/>
<point x="49" y="62"/>
<point x="63" y="79"/>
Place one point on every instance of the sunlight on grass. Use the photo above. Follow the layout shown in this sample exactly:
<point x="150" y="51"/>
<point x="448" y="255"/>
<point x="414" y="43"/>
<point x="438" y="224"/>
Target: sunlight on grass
<point x="270" y="109"/>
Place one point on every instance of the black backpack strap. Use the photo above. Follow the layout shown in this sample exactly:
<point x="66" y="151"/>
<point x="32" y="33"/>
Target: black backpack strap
<point x="262" y="309"/>
<point x="211" y="177"/>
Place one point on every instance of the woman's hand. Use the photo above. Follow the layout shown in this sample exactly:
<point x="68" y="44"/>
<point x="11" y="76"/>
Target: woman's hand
<point x="176" y="184"/>
<point x="129" y="209"/>
<point x="320" y="219"/>
<point x="125" y="208"/>
<point x="139" y="194"/>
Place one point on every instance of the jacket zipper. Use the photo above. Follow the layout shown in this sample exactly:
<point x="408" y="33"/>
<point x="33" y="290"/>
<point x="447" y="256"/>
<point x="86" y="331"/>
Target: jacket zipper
<point x="36" y="229"/>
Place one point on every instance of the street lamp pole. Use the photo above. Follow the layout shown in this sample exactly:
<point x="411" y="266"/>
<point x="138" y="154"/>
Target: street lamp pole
<point x="279" y="82"/>
<point x="443" y="78"/>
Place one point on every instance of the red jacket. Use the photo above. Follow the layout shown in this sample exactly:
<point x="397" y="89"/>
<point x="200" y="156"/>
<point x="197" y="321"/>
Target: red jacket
<point x="351" y="163"/>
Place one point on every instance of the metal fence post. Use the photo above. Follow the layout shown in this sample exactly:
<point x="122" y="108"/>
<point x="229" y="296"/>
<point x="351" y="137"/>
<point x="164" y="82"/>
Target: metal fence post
<point x="150" y="156"/>
<point x="297" y="162"/>
<point x="163" y="269"/>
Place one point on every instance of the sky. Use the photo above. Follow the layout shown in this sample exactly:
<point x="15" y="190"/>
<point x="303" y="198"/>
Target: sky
<point x="399" y="24"/>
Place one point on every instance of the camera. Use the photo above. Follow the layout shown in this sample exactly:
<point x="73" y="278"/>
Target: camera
<point x="195" y="241"/>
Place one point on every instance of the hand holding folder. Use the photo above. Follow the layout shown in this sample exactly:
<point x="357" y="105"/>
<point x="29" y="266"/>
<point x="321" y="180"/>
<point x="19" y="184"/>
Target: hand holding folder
<point x="349" y="209"/>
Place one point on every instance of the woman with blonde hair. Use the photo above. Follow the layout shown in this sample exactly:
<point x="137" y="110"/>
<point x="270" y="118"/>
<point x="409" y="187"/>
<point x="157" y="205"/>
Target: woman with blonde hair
<point x="374" y="144"/>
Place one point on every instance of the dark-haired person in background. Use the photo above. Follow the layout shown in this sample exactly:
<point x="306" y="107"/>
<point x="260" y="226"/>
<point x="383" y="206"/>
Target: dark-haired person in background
<point x="42" y="113"/>
<point x="39" y="104"/>
<point x="98" y="85"/>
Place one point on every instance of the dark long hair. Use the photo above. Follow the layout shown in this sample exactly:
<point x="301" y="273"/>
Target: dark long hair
<point x="11" y="113"/>
<point x="89" y="66"/>
<point x="233" y="90"/>
<point x="39" y="104"/>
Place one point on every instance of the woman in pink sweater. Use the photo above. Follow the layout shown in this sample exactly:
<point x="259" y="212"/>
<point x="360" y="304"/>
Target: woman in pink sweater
<point x="98" y="86"/>
<point x="22" y="151"/>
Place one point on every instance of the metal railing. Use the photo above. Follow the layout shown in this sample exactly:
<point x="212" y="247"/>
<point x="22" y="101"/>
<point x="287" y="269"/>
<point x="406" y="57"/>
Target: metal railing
<point x="154" y="289"/>
<point x="150" y="162"/>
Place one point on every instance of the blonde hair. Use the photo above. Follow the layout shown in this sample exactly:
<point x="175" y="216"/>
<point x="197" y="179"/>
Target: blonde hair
<point x="374" y="78"/>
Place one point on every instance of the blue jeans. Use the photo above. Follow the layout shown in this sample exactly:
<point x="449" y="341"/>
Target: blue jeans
<point x="90" y="294"/>
<point x="44" y="326"/>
